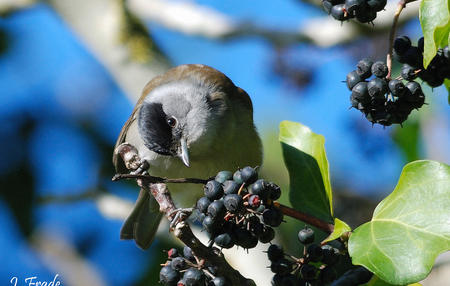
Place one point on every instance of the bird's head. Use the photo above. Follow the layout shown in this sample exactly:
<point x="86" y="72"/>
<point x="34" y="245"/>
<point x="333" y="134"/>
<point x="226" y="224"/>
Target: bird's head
<point x="182" y="118"/>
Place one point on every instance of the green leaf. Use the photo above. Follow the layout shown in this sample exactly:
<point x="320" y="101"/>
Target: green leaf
<point x="305" y="158"/>
<point x="434" y="18"/>
<point x="409" y="228"/>
<point x="340" y="228"/>
<point x="376" y="281"/>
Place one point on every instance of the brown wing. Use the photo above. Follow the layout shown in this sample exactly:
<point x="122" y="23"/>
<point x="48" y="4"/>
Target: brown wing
<point x="200" y="72"/>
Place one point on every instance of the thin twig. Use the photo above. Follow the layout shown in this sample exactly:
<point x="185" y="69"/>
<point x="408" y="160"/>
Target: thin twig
<point x="155" y="180"/>
<point x="392" y="32"/>
<point x="323" y="225"/>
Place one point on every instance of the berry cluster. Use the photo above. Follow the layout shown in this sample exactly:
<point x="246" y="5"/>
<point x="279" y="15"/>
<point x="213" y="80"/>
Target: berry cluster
<point x="182" y="269"/>
<point x="316" y="267"/>
<point x="412" y="59"/>
<point x="365" y="11"/>
<point x="381" y="100"/>
<point x="233" y="206"/>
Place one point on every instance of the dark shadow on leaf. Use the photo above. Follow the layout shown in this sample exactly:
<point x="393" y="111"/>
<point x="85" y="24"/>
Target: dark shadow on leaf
<point x="307" y="190"/>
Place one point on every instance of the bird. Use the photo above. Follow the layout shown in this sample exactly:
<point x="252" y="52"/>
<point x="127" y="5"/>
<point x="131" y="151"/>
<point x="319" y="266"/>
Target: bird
<point x="190" y="122"/>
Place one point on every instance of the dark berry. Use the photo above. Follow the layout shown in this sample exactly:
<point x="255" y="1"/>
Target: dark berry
<point x="290" y="280"/>
<point x="187" y="253"/>
<point x="414" y="88"/>
<point x="315" y="252"/>
<point x="245" y="238"/>
<point x="327" y="275"/>
<point x="413" y="57"/>
<point x="352" y="6"/>
<point x="272" y="217"/>
<point x="408" y="72"/>
<point x="364" y="68"/>
<point x="237" y="177"/>
<point x="366" y="16"/>
<point x="330" y="255"/>
<point x="233" y="203"/>
<point x="254" y="201"/>
<point x="194" y="277"/>
<point x="281" y="266"/>
<point x="306" y="235"/>
<point x="376" y="5"/>
<point x="277" y="280"/>
<point x="213" y="190"/>
<point x="224" y="240"/>
<point x="377" y="87"/>
<point x="267" y="235"/>
<point x="380" y="69"/>
<point x="401" y="45"/>
<point x="354" y="276"/>
<point x="172" y="253"/>
<point x="217" y="281"/>
<point x="354" y="102"/>
<point x="420" y="44"/>
<point x="308" y="272"/>
<point x="222" y="176"/>
<point x="397" y="87"/>
<point x="230" y="187"/>
<point x="352" y="79"/>
<point x="203" y="204"/>
<point x="417" y="98"/>
<point x="213" y="269"/>
<point x="211" y="225"/>
<point x="249" y="175"/>
<point x="254" y="225"/>
<point x="260" y="188"/>
<point x="216" y="209"/>
<point x="338" y="12"/>
<point x="168" y="276"/>
<point x="275" y="252"/>
<point x="360" y="93"/>
<point x="275" y="191"/>
<point x="178" y="263"/>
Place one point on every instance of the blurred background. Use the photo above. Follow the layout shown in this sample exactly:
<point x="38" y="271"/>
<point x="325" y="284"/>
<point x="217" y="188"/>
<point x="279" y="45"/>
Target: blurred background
<point x="71" y="71"/>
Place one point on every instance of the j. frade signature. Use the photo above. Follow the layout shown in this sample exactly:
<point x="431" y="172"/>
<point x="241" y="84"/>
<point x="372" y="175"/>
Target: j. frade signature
<point x="33" y="281"/>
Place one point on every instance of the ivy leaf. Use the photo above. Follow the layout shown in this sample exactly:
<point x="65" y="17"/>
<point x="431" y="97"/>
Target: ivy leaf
<point x="305" y="158"/>
<point x="434" y="18"/>
<point x="376" y="281"/>
<point x="340" y="228"/>
<point x="409" y="228"/>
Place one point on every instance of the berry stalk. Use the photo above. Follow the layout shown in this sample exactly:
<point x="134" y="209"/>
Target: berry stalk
<point x="392" y="32"/>
<point x="311" y="220"/>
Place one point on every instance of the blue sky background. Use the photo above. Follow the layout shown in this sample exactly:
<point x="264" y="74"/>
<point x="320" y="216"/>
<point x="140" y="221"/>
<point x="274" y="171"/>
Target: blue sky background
<point x="49" y="77"/>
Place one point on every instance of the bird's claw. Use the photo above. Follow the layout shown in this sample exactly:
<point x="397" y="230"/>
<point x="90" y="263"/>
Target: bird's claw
<point x="142" y="169"/>
<point x="179" y="215"/>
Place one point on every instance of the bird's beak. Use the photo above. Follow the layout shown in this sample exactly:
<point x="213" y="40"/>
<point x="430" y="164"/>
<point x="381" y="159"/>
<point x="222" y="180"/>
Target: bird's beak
<point x="184" y="152"/>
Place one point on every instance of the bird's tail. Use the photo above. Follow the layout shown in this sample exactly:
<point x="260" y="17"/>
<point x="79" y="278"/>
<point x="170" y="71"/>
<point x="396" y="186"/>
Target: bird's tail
<point x="142" y="224"/>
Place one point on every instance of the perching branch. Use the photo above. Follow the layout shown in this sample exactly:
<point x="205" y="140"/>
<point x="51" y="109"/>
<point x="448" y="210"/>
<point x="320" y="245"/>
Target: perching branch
<point x="154" y="180"/>
<point x="182" y="229"/>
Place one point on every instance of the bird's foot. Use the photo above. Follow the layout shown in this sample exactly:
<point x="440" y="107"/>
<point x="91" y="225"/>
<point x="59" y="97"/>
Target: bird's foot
<point x="179" y="215"/>
<point x="141" y="169"/>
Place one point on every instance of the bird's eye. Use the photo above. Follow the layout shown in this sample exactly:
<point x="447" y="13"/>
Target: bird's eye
<point x="171" y="121"/>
